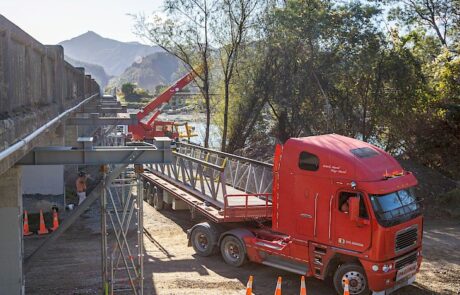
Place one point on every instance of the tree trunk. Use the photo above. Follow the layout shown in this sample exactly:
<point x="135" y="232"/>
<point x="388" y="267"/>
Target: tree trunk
<point x="224" y="132"/>
<point x="208" y="114"/>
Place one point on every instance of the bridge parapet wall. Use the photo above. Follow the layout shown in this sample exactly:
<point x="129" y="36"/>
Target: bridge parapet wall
<point x="36" y="84"/>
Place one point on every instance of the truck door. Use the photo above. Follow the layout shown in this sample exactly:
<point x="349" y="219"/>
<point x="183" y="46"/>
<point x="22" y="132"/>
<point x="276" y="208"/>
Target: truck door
<point x="306" y="194"/>
<point x="350" y="234"/>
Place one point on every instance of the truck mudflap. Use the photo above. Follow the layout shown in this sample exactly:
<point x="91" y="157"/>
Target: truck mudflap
<point x="398" y="285"/>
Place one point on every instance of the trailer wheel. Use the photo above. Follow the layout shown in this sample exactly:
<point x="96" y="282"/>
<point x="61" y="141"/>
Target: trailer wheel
<point x="202" y="240"/>
<point x="150" y="193"/>
<point x="146" y="191"/>
<point x="356" y="276"/>
<point x="233" y="251"/>
<point x="158" y="199"/>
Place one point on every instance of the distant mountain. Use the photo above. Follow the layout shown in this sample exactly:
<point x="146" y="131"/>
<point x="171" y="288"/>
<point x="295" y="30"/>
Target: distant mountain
<point x="160" y="68"/>
<point x="114" y="56"/>
<point x="96" y="71"/>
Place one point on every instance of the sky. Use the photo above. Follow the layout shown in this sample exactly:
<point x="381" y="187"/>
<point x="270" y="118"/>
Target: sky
<point x="53" y="21"/>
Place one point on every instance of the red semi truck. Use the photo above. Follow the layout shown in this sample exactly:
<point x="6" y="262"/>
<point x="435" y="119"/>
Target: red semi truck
<point x="339" y="208"/>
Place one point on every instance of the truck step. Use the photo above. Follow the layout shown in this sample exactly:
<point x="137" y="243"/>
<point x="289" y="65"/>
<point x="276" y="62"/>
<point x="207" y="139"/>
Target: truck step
<point x="285" y="264"/>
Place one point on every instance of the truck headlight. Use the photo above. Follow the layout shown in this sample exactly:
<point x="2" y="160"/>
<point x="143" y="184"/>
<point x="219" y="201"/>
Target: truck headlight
<point x="375" y="267"/>
<point x="386" y="268"/>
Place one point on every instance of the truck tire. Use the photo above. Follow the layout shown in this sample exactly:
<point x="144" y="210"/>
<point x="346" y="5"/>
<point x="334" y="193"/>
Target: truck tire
<point x="157" y="199"/>
<point x="233" y="251"/>
<point x="203" y="239"/>
<point x="356" y="276"/>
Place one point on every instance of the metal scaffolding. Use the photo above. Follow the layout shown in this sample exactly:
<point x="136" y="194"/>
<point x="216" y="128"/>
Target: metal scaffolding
<point x="122" y="220"/>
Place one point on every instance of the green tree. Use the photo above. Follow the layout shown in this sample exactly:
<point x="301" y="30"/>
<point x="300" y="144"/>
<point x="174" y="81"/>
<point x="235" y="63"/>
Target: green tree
<point x="327" y="68"/>
<point x="432" y="35"/>
<point x="231" y="30"/>
<point x="128" y="89"/>
<point x="440" y="17"/>
<point x="185" y="33"/>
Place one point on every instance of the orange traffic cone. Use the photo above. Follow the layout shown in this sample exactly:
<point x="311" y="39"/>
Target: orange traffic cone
<point x="55" y="221"/>
<point x="346" y="288"/>
<point x="42" y="229"/>
<point x="249" y="286"/>
<point x="26" y="231"/>
<point x="303" y="288"/>
<point x="278" y="287"/>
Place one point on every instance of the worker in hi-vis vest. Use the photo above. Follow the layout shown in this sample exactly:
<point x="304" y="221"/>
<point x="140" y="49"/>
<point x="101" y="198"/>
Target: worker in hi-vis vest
<point x="81" y="186"/>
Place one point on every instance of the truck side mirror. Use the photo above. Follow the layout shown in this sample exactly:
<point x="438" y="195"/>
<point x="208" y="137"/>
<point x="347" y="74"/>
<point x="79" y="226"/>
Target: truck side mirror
<point x="353" y="204"/>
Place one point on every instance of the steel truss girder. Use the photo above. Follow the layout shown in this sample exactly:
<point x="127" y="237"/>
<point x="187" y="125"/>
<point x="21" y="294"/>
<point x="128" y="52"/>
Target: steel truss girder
<point x="99" y="155"/>
<point x="245" y="174"/>
<point x="95" y="120"/>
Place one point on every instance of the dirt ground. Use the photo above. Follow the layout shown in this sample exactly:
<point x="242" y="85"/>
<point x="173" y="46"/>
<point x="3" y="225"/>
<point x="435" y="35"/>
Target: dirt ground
<point x="72" y="265"/>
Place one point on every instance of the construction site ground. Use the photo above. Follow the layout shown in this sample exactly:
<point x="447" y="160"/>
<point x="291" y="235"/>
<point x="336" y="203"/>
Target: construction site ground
<point x="72" y="265"/>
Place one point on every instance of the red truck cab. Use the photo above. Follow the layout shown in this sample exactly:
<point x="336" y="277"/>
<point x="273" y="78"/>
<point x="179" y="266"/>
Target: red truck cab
<point x="340" y="207"/>
<point x="345" y="208"/>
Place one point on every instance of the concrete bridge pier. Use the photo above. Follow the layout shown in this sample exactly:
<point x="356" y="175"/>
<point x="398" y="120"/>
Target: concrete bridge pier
<point x="11" y="246"/>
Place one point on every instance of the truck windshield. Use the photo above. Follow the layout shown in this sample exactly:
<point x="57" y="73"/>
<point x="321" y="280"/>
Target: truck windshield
<point x="396" y="207"/>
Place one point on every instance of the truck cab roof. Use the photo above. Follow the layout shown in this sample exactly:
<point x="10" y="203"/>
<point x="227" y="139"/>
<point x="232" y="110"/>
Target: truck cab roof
<point x="342" y="157"/>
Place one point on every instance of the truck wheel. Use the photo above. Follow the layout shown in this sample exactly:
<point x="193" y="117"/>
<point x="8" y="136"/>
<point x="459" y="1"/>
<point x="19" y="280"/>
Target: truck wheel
<point x="203" y="240"/>
<point x="233" y="251"/>
<point x="158" y="199"/>
<point x="356" y="276"/>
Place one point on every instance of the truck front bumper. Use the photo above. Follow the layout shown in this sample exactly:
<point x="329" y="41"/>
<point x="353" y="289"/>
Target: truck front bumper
<point x="397" y="286"/>
<point x="386" y="282"/>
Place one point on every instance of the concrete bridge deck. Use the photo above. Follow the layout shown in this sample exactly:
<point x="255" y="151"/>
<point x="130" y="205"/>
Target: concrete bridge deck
<point x="36" y="85"/>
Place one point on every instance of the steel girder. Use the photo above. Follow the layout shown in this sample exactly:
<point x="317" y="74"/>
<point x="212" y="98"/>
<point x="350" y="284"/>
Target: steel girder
<point x="95" y="120"/>
<point x="56" y="155"/>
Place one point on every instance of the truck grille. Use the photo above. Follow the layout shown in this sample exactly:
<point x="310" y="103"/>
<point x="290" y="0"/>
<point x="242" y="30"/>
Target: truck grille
<point x="406" y="238"/>
<point x="406" y="260"/>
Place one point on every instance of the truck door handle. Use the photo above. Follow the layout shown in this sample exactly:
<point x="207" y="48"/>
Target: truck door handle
<point x="305" y="215"/>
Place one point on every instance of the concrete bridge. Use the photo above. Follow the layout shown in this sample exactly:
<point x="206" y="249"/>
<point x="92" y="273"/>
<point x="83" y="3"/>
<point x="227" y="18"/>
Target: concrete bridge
<point x="39" y="90"/>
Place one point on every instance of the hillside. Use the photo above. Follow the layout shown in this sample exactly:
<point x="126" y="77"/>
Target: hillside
<point x="96" y="71"/>
<point x="156" y="69"/>
<point x="114" y="56"/>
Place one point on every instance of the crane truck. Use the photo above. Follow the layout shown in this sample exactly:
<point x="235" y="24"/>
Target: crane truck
<point x="332" y="206"/>
<point x="149" y="126"/>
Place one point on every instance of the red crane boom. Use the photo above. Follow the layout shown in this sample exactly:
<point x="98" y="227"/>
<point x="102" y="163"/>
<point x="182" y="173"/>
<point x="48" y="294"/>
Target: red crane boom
<point x="147" y="126"/>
